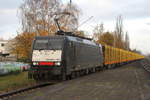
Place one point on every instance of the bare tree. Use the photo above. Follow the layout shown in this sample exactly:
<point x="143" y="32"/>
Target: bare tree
<point x="38" y="16"/>
<point x="70" y="22"/>
<point x="119" y="34"/>
<point x="98" y="31"/>
<point x="127" y="42"/>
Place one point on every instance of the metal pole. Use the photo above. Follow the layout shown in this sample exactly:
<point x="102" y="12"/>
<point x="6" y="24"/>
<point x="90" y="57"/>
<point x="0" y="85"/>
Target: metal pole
<point x="70" y="2"/>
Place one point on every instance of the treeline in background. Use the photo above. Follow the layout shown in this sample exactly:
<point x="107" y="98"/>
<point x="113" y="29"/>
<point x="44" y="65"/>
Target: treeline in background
<point x="37" y="19"/>
<point x="118" y="38"/>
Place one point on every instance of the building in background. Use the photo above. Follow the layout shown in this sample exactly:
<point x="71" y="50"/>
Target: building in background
<point x="5" y="54"/>
<point x="3" y="48"/>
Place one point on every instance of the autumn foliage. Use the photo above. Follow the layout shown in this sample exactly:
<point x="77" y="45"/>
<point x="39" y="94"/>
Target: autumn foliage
<point x="38" y="19"/>
<point x="22" y="45"/>
<point x="117" y="39"/>
<point x="106" y="38"/>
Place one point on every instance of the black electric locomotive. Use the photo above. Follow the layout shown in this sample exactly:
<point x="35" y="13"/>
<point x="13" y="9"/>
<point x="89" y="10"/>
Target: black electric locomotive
<point x="64" y="56"/>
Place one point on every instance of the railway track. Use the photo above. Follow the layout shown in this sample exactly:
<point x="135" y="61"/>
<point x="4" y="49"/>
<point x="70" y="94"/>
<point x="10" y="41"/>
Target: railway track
<point x="23" y="90"/>
<point x="146" y="64"/>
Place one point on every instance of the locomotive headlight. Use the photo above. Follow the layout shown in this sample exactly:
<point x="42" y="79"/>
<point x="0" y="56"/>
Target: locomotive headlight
<point x="57" y="63"/>
<point x="35" y="63"/>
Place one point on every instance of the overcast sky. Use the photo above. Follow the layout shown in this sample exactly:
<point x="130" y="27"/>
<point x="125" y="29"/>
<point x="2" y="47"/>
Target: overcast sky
<point x="136" y="18"/>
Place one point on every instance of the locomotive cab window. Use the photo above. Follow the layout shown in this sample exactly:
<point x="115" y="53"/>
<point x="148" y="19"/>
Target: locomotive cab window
<point x="49" y="44"/>
<point x="47" y="49"/>
<point x="41" y="44"/>
<point x="55" y="44"/>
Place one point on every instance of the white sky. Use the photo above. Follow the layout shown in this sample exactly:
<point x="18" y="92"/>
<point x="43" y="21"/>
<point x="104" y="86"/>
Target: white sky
<point x="136" y="15"/>
<point x="136" y="18"/>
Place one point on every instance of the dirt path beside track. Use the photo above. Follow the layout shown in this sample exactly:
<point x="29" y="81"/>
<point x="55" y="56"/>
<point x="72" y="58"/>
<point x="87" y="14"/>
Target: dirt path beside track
<point x="129" y="82"/>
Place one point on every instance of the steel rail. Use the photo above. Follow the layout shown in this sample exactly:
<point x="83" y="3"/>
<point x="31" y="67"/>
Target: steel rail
<point x="22" y="90"/>
<point x="146" y="64"/>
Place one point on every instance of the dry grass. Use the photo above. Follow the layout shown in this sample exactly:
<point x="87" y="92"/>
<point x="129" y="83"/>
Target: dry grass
<point x="15" y="81"/>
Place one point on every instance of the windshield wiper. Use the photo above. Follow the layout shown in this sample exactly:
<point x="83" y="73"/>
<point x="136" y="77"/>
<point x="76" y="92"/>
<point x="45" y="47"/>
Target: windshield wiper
<point x="51" y="45"/>
<point x="41" y="49"/>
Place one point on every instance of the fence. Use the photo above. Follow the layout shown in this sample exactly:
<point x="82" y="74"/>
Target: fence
<point x="12" y="67"/>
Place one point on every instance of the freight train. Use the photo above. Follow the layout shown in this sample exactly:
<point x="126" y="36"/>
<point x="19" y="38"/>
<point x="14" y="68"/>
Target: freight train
<point x="66" y="56"/>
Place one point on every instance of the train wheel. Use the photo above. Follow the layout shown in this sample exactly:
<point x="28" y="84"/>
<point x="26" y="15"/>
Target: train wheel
<point x="109" y="66"/>
<point x="102" y="68"/>
<point x="106" y="67"/>
<point x="97" y="69"/>
<point x="114" y="66"/>
<point x="87" y="71"/>
<point x="35" y="77"/>
<point x="93" y="70"/>
<point x="82" y="72"/>
<point x="30" y="75"/>
<point x="68" y="77"/>
<point x="77" y="74"/>
<point x="73" y="75"/>
<point x="64" y="77"/>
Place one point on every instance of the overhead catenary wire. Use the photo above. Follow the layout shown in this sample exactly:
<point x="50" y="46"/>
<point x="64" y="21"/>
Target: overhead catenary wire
<point x="83" y="23"/>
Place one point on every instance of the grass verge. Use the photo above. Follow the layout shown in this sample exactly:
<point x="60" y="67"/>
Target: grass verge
<point x="15" y="81"/>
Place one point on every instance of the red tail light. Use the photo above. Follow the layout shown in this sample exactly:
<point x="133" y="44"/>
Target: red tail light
<point x="47" y="63"/>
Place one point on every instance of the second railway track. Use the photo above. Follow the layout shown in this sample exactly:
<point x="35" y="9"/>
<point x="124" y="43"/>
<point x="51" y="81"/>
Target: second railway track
<point x="146" y="64"/>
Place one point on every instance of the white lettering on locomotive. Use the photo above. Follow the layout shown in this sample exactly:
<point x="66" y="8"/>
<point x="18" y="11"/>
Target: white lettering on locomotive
<point x="46" y="55"/>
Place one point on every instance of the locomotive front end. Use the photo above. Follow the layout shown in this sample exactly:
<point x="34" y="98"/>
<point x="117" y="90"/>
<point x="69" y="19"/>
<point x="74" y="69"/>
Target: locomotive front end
<point x="46" y="57"/>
